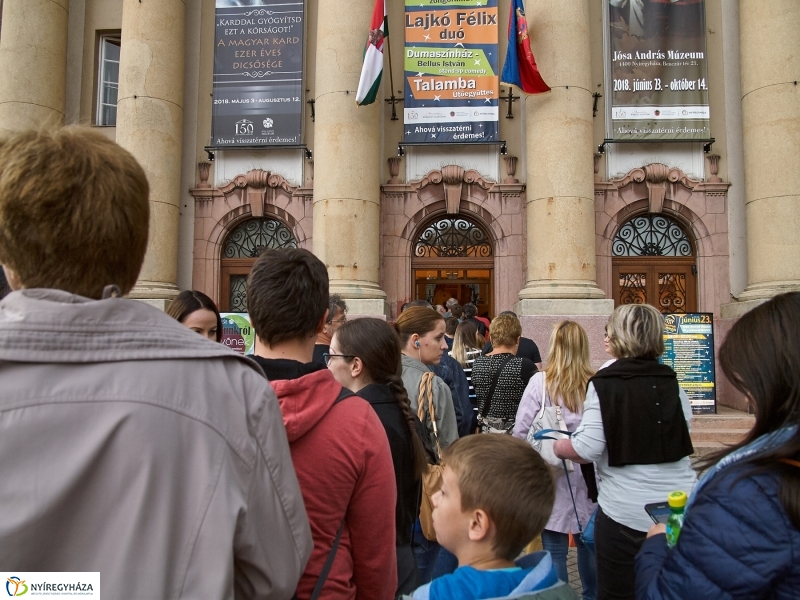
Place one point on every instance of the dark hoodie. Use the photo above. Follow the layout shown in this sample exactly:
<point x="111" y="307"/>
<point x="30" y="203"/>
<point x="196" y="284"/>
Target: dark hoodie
<point x="344" y="466"/>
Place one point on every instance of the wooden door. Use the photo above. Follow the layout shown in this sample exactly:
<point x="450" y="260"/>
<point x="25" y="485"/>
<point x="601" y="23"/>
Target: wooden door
<point x="233" y="288"/>
<point x="669" y="284"/>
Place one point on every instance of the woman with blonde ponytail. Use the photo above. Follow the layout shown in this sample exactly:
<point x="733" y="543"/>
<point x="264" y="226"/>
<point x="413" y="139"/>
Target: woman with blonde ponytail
<point x="563" y="382"/>
<point x="365" y="358"/>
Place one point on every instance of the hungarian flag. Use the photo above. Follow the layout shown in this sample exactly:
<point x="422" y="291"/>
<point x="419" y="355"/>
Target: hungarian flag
<point x="520" y="67"/>
<point x="371" y="72"/>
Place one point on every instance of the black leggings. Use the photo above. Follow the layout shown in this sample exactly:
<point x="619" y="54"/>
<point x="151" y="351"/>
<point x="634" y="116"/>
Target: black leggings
<point x="616" y="547"/>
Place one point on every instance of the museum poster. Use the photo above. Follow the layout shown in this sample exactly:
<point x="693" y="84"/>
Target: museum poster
<point x="451" y="71"/>
<point x="689" y="350"/>
<point x="237" y="333"/>
<point x="658" y="76"/>
<point x="258" y="73"/>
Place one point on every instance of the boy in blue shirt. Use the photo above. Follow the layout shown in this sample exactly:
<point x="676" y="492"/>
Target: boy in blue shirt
<point x="497" y="494"/>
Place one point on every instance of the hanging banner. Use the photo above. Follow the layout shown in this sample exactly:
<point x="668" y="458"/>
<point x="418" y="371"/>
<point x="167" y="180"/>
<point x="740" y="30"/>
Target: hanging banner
<point x="658" y="71"/>
<point x="258" y="73"/>
<point x="451" y="71"/>
<point x="689" y="351"/>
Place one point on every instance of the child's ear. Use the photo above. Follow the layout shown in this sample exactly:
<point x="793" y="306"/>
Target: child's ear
<point x="479" y="525"/>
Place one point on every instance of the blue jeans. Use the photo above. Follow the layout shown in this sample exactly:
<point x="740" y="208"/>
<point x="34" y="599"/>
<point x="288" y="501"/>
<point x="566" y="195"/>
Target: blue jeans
<point x="425" y="552"/>
<point x="445" y="563"/>
<point x="557" y="544"/>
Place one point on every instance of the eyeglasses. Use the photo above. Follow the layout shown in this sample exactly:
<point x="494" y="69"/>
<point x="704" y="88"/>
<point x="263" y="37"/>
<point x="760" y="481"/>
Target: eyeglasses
<point x="606" y="335"/>
<point x="327" y="357"/>
<point x="342" y="320"/>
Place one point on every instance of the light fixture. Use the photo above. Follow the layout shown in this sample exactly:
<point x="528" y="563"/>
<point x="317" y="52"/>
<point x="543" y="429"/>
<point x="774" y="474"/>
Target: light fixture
<point x="309" y="154"/>
<point x="400" y="150"/>
<point x="503" y="148"/>
<point x="210" y="155"/>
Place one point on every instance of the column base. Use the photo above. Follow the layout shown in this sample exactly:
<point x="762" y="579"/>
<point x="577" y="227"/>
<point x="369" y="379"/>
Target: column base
<point x="358" y="290"/>
<point x="154" y="293"/>
<point x="756" y="294"/>
<point x="364" y="307"/>
<point x="564" y="306"/>
<point x="562" y="289"/>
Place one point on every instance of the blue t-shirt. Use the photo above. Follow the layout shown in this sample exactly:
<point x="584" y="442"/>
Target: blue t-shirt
<point x="468" y="583"/>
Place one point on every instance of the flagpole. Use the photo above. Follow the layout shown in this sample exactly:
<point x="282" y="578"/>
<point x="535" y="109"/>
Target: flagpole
<point x="391" y="78"/>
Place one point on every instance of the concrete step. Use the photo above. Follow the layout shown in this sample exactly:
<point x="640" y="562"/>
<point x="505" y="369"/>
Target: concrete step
<point x="723" y="435"/>
<point x="737" y="421"/>
<point x="702" y="449"/>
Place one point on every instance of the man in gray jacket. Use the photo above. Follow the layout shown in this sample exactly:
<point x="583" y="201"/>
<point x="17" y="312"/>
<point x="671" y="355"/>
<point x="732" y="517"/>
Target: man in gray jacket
<point x="130" y="445"/>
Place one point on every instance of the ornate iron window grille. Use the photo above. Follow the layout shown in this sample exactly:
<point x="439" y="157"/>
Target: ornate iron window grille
<point x="238" y="294"/>
<point x="651" y="235"/>
<point x="453" y="237"/>
<point x="252" y="236"/>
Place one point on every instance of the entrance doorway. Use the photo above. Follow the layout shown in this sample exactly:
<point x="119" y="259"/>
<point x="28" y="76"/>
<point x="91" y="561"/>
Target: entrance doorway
<point x="239" y="254"/>
<point x="453" y="258"/>
<point x="654" y="263"/>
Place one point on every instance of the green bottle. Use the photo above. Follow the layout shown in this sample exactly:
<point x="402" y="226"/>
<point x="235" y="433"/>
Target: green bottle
<point x="677" y="504"/>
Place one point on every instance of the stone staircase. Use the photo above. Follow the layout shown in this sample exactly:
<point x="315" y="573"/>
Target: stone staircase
<point x="714" y="432"/>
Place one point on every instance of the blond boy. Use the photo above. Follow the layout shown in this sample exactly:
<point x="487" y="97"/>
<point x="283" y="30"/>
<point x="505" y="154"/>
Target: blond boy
<point x="496" y="496"/>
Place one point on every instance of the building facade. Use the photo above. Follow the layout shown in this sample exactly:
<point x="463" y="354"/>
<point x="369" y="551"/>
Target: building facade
<point x="556" y="221"/>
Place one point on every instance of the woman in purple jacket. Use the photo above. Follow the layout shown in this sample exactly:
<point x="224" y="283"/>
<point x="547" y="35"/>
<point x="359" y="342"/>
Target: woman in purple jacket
<point x="741" y="533"/>
<point x="563" y="383"/>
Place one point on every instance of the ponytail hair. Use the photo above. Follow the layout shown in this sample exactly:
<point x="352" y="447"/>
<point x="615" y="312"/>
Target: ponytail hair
<point x="376" y="343"/>
<point x="417" y="319"/>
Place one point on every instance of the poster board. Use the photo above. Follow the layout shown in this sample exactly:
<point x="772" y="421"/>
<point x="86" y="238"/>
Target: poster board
<point x="689" y="351"/>
<point x="657" y="70"/>
<point x="451" y="78"/>
<point x="258" y="73"/>
<point x="238" y="333"/>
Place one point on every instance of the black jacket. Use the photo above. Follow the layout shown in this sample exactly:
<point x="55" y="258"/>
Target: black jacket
<point x="391" y="415"/>
<point x="643" y="420"/>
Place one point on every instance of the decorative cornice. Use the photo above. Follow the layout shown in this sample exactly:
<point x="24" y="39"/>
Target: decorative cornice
<point x="452" y="175"/>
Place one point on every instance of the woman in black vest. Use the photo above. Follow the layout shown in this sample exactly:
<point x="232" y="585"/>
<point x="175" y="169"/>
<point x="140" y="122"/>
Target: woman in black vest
<point x="635" y="430"/>
<point x="365" y="358"/>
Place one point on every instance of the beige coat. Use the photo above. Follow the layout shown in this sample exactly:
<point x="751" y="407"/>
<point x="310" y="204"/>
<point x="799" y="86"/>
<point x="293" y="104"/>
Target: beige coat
<point x="132" y="446"/>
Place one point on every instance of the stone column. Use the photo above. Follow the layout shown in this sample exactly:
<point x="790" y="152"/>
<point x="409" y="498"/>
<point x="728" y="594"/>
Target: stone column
<point x="150" y="126"/>
<point x="770" y="69"/>
<point x="347" y="160"/>
<point x="560" y="169"/>
<point x="33" y="64"/>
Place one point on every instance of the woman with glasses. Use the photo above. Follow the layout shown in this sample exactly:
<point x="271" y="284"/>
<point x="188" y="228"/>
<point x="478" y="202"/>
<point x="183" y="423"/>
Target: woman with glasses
<point x="365" y="358"/>
<point x="635" y="429"/>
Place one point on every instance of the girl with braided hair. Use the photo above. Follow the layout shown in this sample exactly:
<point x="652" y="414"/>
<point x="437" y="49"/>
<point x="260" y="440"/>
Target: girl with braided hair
<point x="365" y="358"/>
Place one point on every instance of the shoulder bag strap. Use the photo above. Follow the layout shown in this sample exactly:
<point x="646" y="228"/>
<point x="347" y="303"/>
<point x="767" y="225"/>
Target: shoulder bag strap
<point x="540" y="414"/>
<point x="425" y="400"/>
<point x="487" y="407"/>
<point x="326" y="568"/>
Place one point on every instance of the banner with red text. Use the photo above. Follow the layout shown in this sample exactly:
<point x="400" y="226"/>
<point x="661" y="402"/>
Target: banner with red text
<point x="451" y="81"/>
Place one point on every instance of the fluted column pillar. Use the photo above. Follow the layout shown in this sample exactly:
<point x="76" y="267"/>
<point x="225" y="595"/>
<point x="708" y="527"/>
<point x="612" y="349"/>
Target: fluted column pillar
<point x="560" y="170"/>
<point x="770" y="69"/>
<point x="33" y="64"/>
<point x="347" y="160"/>
<point x="150" y="126"/>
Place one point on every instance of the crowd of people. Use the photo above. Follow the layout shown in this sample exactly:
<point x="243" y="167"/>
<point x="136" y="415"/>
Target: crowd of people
<point x="354" y="459"/>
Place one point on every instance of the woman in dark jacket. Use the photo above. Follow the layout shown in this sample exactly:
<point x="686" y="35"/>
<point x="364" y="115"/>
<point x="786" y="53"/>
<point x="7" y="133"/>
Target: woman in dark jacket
<point x="365" y="358"/>
<point x="741" y="533"/>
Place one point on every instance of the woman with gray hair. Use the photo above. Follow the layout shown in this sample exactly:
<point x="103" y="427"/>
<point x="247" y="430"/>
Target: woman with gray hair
<point x="635" y="429"/>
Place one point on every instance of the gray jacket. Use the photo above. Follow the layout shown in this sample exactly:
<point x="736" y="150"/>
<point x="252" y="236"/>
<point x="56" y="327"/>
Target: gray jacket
<point x="132" y="446"/>
<point x="442" y="401"/>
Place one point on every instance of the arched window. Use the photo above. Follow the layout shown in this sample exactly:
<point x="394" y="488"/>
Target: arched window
<point x="651" y="235"/>
<point x="239" y="252"/>
<point x="453" y="237"/>
<point x="653" y="262"/>
<point x="452" y="256"/>
<point x="252" y="236"/>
